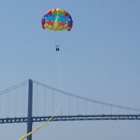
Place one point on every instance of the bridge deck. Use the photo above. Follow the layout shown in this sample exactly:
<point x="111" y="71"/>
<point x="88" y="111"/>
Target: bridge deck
<point x="71" y="118"/>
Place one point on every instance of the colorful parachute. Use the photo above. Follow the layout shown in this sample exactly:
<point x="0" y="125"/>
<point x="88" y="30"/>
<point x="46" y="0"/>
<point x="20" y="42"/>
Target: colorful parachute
<point x="57" y="19"/>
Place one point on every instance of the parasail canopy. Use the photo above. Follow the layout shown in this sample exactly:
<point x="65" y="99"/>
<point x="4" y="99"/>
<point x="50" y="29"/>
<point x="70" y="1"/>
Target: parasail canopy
<point x="57" y="19"/>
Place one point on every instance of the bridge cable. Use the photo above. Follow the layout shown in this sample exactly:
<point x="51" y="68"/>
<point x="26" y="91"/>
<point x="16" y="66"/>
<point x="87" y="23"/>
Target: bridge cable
<point x="30" y="133"/>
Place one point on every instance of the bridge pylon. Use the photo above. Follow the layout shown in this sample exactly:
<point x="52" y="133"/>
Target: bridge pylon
<point x="30" y="108"/>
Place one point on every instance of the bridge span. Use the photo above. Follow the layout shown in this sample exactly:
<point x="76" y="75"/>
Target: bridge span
<point x="71" y="118"/>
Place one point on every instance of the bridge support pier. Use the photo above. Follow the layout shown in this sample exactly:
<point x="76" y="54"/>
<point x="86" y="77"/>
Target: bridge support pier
<point x="30" y="105"/>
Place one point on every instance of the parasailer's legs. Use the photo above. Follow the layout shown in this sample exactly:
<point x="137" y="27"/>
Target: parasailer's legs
<point x="57" y="49"/>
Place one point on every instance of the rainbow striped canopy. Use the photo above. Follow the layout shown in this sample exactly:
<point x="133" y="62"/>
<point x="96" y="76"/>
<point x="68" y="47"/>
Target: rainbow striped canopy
<point x="57" y="19"/>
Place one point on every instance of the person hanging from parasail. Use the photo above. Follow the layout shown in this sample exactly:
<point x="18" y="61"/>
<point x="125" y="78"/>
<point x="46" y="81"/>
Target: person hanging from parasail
<point x="57" y="47"/>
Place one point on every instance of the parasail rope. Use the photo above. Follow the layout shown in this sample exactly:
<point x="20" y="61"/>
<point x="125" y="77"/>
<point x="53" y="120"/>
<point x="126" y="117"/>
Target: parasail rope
<point x="30" y="133"/>
<point x="59" y="72"/>
<point x="60" y="81"/>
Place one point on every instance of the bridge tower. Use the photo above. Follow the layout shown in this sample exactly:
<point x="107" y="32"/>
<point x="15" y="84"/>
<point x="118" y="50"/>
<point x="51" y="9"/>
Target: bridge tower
<point x="30" y="108"/>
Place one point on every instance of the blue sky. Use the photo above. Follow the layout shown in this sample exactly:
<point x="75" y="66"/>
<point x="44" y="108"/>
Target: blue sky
<point x="99" y="59"/>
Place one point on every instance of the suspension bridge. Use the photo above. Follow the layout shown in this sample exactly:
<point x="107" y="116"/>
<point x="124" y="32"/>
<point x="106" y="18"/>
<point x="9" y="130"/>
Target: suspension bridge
<point x="31" y="101"/>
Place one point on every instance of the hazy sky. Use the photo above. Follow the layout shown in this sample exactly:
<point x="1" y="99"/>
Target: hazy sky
<point x="99" y="59"/>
